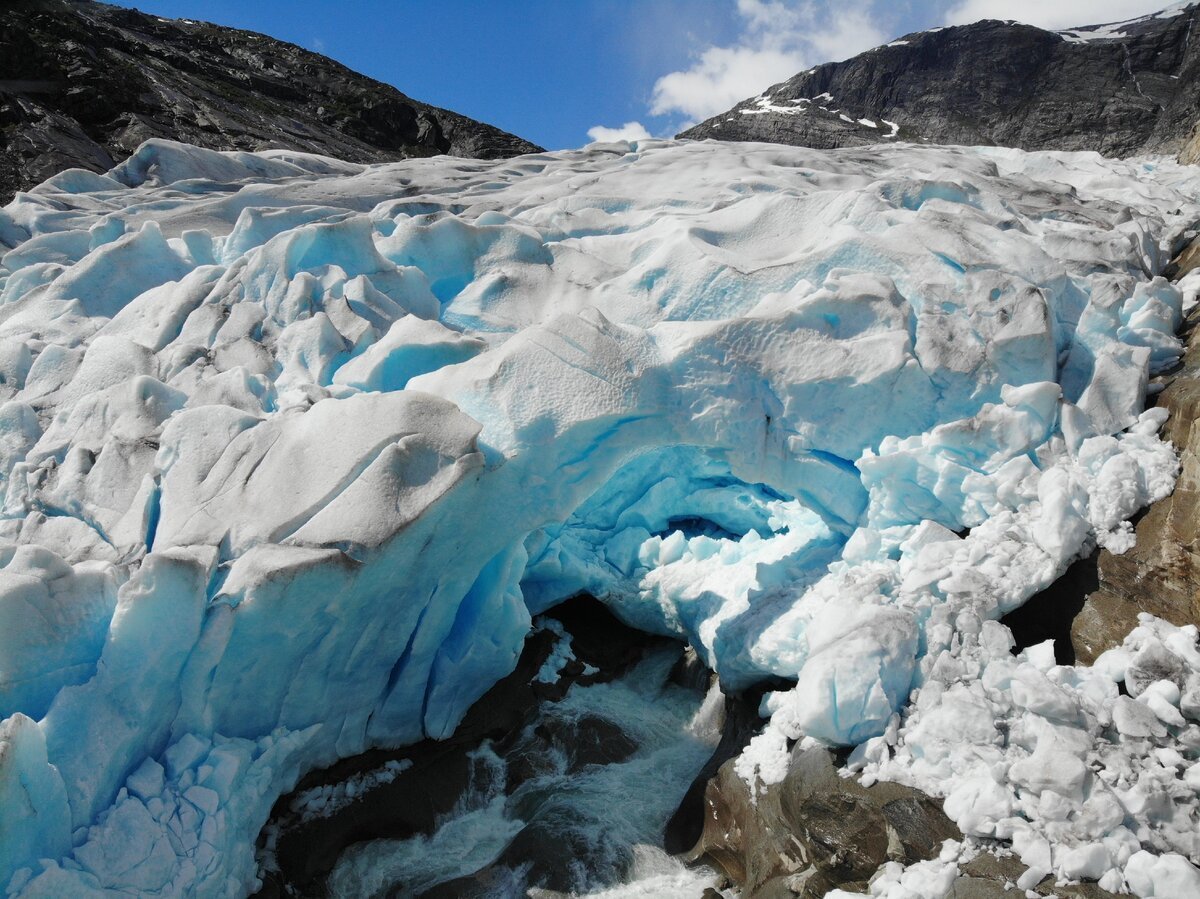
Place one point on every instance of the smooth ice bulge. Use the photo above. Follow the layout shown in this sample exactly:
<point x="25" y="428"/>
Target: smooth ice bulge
<point x="293" y="448"/>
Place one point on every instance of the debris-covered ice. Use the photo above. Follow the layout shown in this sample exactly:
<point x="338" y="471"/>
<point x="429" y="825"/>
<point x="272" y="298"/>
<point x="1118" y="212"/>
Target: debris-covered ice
<point x="293" y="449"/>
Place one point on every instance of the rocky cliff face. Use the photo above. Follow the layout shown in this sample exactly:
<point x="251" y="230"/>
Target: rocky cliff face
<point x="83" y="84"/>
<point x="1190" y="154"/>
<point x="1120" y="89"/>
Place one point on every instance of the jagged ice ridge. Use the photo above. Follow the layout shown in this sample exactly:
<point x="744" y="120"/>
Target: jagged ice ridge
<point x="293" y="449"/>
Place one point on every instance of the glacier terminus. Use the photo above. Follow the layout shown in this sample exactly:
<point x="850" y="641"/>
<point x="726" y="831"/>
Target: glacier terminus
<point x="294" y="450"/>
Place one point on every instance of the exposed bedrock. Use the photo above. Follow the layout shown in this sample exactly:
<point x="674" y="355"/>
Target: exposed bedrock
<point x="1190" y="154"/>
<point x="816" y="831"/>
<point x="742" y="723"/>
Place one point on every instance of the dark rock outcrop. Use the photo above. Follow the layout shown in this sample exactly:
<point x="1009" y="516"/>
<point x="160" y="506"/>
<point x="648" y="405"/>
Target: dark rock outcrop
<point x="1120" y="90"/>
<point x="815" y="830"/>
<point x="82" y="84"/>
<point x="1190" y="154"/>
<point x="985" y="876"/>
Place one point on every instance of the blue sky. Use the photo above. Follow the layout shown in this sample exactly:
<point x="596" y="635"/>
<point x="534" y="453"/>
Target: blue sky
<point x="554" y="70"/>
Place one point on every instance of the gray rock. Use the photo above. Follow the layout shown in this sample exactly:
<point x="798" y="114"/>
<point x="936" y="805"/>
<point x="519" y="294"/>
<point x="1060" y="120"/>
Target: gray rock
<point x="991" y="82"/>
<point x="987" y="873"/>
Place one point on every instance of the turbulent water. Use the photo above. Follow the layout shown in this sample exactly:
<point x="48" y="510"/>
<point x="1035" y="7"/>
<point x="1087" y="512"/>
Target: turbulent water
<point x="612" y="815"/>
<point x="294" y="449"/>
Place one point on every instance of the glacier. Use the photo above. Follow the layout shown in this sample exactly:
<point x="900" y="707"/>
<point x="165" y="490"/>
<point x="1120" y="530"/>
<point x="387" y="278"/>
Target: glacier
<point x="293" y="449"/>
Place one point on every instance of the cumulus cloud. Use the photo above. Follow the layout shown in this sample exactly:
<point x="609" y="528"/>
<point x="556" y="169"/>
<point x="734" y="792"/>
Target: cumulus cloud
<point x="778" y="39"/>
<point x="628" y="131"/>
<point x="1059" y="14"/>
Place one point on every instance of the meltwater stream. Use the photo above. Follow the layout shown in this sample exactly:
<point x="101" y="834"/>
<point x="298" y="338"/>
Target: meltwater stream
<point x="577" y="822"/>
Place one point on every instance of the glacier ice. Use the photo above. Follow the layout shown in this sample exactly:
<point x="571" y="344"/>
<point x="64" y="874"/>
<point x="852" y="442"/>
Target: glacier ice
<point x="292" y="450"/>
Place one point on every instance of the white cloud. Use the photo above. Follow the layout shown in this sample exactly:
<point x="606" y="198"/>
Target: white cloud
<point x="721" y="77"/>
<point x="628" y="131"/>
<point x="778" y="40"/>
<point x="1058" y="14"/>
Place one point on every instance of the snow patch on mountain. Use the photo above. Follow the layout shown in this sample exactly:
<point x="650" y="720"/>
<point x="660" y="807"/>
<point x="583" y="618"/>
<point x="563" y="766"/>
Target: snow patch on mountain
<point x="293" y="450"/>
<point x="1117" y="30"/>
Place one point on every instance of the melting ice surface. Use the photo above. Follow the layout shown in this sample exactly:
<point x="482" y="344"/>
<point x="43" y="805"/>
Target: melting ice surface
<point x="292" y="449"/>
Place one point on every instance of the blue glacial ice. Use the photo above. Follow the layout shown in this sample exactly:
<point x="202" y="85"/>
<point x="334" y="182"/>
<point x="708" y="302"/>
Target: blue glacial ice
<point x="292" y="450"/>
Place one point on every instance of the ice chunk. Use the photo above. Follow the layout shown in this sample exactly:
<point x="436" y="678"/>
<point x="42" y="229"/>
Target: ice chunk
<point x="37" y="822"/>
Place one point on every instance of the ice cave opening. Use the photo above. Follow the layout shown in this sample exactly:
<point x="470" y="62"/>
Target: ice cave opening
<point x="677" y="544"/>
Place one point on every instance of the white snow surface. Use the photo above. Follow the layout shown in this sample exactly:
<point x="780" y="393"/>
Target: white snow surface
<point x="293" y="449"/>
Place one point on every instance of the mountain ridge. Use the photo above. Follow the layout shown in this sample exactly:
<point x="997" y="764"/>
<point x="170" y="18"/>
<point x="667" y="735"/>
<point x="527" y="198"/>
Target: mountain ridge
<point x="1121" y="89"/>
<point x="83" y="84"/>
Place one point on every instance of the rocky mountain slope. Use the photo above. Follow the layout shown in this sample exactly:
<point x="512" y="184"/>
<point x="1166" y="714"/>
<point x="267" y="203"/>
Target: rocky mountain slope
<point x="83" y="84"/>
<point x="1121" y="89"/>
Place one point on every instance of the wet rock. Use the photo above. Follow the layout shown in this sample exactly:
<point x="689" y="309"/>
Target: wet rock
<point x="547" y="852"/>
<point x="583" y="741"/>
<point x="815" y="830"/>
<point x="690" y="672"/>
<point x="589" y="740"/>
<point x="1188" y="259"/>
<point x="741" y="723"/>
<point x="554" y="855"/>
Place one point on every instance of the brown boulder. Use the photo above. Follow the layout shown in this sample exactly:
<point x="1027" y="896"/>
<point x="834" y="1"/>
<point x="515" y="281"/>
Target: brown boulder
<point x="985" y="875"/>
<point x="1190" y="154"/>
<point x="815" y="830"/>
